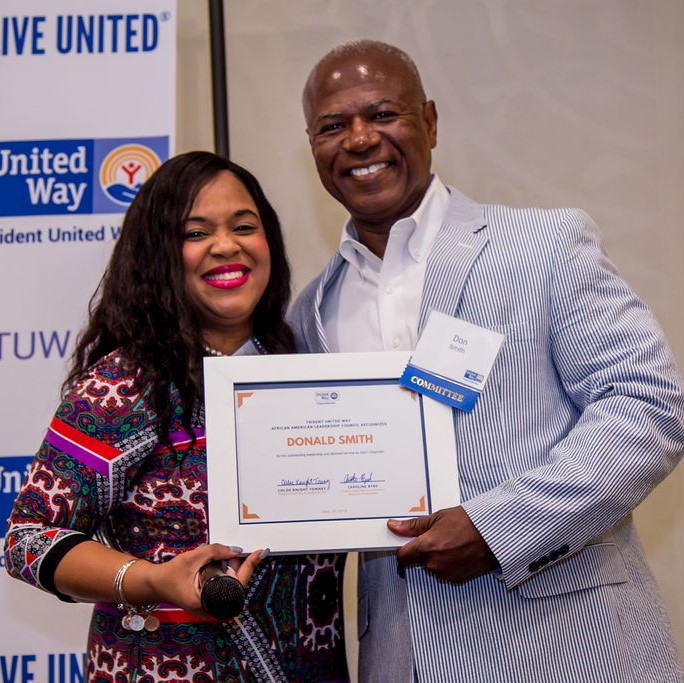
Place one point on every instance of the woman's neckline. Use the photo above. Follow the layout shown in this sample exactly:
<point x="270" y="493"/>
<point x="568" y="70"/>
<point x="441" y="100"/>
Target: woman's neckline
<point x="215" y="352"/>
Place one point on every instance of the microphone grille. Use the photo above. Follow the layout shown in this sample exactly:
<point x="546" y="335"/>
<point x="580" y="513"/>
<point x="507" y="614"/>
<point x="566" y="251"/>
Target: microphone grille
<point x="223" y="597"/>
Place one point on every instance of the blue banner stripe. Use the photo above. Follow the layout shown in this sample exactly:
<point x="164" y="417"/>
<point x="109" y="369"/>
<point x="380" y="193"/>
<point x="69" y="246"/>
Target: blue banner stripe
<point x="439" y="388"/>
<point x="72" y="177"/>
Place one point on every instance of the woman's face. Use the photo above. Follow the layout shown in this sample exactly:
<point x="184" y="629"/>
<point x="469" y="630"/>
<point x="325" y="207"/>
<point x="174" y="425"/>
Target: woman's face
<point x="226" y="258"/>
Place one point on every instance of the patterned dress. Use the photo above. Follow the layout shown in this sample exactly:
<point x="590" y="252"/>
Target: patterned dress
<point x="102" y="473"/>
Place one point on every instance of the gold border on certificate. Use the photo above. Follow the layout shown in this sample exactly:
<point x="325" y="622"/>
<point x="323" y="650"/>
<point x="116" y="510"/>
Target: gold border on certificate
<point x="314" y="452"/>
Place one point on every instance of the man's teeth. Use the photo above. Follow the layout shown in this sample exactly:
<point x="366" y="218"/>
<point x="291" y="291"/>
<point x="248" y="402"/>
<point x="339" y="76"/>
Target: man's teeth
<point x="368" y="169"/>
<point x="233" y="275"/>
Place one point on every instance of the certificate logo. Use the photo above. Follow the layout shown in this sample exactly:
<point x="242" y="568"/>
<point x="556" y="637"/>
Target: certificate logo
<point x="327" y="397"/>
<point x="474" y="376"/>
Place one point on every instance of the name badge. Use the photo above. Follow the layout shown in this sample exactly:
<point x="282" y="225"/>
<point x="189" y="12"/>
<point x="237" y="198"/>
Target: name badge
<point x="452" y="361"/>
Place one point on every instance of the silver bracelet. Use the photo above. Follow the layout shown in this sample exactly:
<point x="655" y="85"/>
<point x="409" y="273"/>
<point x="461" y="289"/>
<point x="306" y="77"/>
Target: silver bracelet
<point x="136" y="617"/>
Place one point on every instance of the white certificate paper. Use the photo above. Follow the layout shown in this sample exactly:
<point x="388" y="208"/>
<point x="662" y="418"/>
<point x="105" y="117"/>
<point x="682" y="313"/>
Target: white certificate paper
<point x="315" y="452"/>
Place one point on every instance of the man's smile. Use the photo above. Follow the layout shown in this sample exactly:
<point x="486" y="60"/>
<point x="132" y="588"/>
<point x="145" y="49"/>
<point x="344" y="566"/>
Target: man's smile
<point x="367" y="170"/>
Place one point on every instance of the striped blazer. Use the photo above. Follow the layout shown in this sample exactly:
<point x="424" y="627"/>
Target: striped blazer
<point x="582" y="416"/>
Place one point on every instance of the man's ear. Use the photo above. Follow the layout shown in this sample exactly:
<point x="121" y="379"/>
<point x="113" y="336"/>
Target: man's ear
<point x="430" y="118"/>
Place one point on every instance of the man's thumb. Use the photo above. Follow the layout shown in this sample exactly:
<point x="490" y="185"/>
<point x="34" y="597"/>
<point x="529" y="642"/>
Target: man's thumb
<point x="409" y="527"/>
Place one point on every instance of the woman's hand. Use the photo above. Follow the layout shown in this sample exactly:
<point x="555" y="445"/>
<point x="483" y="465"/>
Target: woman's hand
<point x="87" y="573"/>
<point x="177" y="581"/>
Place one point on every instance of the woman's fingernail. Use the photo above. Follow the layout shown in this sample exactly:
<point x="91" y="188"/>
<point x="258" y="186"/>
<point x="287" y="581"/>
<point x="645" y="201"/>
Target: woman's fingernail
<point x="235" y="549"/>
<point x="265" y="553"/>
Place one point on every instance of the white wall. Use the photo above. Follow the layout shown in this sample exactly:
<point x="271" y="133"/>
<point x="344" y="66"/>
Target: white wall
<point x="546" y="102"/>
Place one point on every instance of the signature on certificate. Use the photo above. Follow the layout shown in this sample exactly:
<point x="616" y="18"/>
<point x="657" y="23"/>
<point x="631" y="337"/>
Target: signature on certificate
<point x="308" y="482"/>
<point x="359" y="478"/>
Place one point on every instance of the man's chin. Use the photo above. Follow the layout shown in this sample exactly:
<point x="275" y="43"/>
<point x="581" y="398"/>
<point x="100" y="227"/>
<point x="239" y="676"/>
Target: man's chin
<point x="379" y="206"/>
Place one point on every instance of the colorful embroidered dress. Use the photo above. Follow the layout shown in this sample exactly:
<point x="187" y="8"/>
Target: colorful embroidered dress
<point x="101" y="473"/>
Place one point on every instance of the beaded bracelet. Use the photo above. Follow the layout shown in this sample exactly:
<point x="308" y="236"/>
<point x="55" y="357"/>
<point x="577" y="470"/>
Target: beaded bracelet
<point x="136" y="617"/>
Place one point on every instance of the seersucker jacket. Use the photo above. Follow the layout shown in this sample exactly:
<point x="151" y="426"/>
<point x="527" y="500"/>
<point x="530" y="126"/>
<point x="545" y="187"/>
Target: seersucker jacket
<point x="582" y="416"/>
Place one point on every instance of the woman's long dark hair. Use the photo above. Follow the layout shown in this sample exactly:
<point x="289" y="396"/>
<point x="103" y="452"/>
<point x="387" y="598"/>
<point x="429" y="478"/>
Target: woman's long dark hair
<point x="141" y="304"/>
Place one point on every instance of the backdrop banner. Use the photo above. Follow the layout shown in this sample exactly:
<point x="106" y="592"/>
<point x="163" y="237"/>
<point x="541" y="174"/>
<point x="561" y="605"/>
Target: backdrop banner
<point x="88" y="113"/>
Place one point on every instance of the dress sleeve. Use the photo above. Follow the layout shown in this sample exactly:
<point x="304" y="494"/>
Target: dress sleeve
<point x="69" y="488"/>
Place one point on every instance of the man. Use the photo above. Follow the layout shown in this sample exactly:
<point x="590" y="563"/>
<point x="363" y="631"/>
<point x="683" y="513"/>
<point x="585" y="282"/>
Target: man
<point x="538" y="575"/>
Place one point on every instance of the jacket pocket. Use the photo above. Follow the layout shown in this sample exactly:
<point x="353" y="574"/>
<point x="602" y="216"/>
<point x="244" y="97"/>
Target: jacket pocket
<point x="598" y="564"/>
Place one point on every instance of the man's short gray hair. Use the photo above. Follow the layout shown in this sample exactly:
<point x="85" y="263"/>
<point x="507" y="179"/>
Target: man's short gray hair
<point x="361" y="46"/>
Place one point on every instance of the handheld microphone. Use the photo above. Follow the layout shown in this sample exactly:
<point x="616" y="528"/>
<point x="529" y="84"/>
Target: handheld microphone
<point x="222" y="595"/>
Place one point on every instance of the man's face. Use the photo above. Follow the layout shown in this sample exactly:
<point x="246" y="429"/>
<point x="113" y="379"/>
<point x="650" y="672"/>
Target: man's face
<point x="371" y="136"/>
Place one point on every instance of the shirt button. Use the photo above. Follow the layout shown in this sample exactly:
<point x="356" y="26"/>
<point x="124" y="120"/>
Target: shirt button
<point x="389" y="289"/>
<point x="395" y="342"/>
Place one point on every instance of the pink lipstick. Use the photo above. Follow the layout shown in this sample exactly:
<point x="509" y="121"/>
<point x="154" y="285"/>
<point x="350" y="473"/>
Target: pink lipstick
<point x="228" y="276"/>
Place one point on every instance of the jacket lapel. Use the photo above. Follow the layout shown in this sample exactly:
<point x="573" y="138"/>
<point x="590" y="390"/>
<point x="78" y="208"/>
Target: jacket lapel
<point x="459" y="242"/>
<point x="313" y="330"/>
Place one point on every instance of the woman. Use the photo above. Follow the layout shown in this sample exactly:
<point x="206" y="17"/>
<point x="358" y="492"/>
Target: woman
<point x="114" y="508"/>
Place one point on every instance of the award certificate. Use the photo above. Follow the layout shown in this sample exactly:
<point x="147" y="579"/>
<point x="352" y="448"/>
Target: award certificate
<point x="315" y="452"/>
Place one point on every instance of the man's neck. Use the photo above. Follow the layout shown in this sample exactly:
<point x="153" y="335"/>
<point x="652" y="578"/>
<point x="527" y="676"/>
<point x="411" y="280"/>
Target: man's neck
<point x="375" y="240"/>
<point x="376" y="235"/>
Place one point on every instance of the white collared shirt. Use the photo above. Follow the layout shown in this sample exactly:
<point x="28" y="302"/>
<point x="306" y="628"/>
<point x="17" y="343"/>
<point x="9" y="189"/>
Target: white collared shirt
<point x="374" y="305"/>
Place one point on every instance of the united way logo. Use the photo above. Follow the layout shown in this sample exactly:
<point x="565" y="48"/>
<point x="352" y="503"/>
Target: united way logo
<point x="63" y="177"/>
<point x="324" y="397"/>
<point x="125" y="169"/>
<point x="122" y="165"/>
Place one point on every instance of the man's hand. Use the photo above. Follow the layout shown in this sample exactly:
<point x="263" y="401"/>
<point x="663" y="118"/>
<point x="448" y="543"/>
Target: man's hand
<point x="447" y="545"/>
